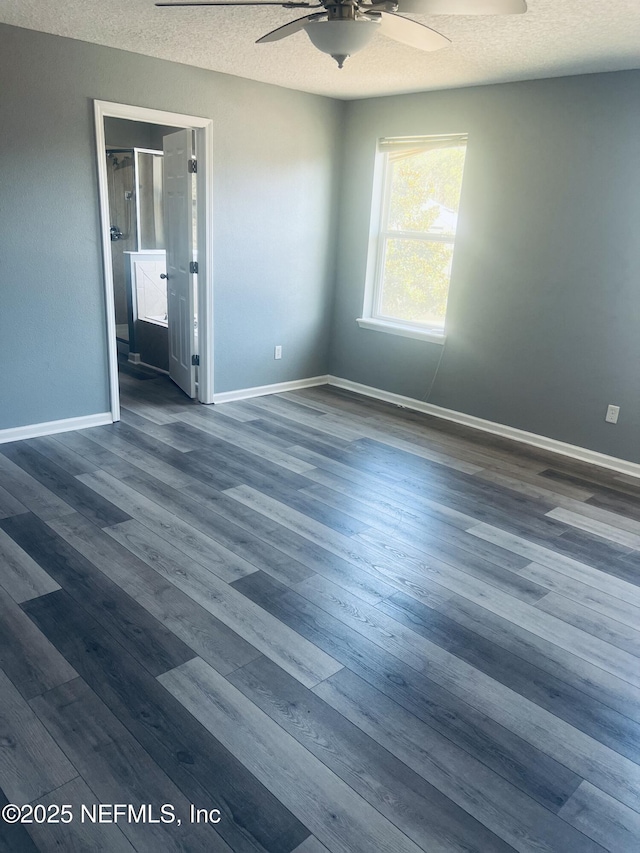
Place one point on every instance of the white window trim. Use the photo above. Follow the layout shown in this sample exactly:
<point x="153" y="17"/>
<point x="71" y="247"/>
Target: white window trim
<point x="404" y="330"/>
<point x="372" y="318"/>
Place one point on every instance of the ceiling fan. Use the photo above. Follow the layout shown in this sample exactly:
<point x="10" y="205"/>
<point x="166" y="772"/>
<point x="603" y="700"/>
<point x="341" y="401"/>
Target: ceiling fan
<point x="346" y="26"/>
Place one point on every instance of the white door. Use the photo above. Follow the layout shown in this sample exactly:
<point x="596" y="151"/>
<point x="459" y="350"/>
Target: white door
<point x="178" y="229"/>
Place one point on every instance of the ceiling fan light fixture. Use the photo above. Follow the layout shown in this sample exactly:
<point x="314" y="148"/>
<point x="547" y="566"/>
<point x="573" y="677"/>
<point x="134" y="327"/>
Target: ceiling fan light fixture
<point x="341" y="38"/>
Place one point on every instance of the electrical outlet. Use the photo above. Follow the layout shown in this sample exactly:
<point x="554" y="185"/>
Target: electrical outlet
<point x="612" y="414"/>
<point x="277" y="352"/>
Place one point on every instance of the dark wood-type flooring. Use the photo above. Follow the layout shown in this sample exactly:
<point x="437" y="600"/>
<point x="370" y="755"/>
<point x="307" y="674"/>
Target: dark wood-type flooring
<point x="346" y="626"/>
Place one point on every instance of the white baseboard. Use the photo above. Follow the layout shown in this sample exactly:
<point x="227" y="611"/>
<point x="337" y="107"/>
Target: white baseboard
<point x="573" y="451"/>
<point x="53" y="427"/>
<point x="262" y="390"/>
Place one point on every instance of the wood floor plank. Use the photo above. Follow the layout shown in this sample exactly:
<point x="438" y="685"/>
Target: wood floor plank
<point x="620" y="499"/>
<point x="69" y="488"/>
<point x="21" y="576"/>
<point x="390" y="616"/>
<point x="598" y="514"/>
<point x="297" y="433"/>
<point x="571" y="639"/>
<point x="9" y="505"/>
<point x="583" y="594"/>
<point x="465" y="444"/>
<point x="110" y="450"/>
<point x="508" y="755"/>
<point x="245" y="428"/>
<point x="31" y="763"/>
<point x="314" y="557"/>
<point x="62" y="455"/>
<point x="150" y="642"/>
<point x="604" y="819"/>
<point x="26" y="656"/>
<point x="209" y="638"/>
<point x="597" y="527"/>
<point x="200" y="515"/>
<point x="311" y="845"/>
<point x="286" y="412"/>
<point x="77" y="836"/>
<point x="425" y="424"/>
<point x="520" y="821"/>
<point x="199" y="547"/>
<point x="415" y="807"/>
<point x="252" y="818"/>
<point x="88" y="448"/>
<point x="286" y="407"/>
<point x="157" y="414"/>
<point x="319" y="511"/>
<point x="602" y="554"/>
<point x="223" y="463"/>
<point x="483" y="501"/>
<point x="545" y="689"/>
<point x="535" y="486"/>
<point x="240" y="438"/>
<point x="595" y="477"/>
<point x="422" y="528"/>
<point x="559" y="562"/>
<point x="392" y="502"/>
<point x="13" y="836"/>
<point x="118" y="770"/>
<point x="297" y="656"/>
<point x="578" y="752"/>
<point x="455" y="506"/>
<point x="393" y="432"/>
<point x="37" y="498"/>
<point x="352" y="549"/>
<point x="165" y="461"/>
<point x="155" y="439"/>
<point x="592" y="622"/>
<point x="230" y="411"/>
<point x="610" y="691"/>
<point x="334" y="813"/>
<point x="441" y="555"/>
<point x="204" y="443"/>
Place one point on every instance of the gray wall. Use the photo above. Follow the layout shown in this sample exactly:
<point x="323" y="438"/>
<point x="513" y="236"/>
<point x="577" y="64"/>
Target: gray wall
<point x="544" y="312"/>
<point x="275" y="153"/>
<point x="544" y="316"/>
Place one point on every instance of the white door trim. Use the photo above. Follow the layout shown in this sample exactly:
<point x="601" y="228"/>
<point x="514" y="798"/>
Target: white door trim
<point x="204" y="147"/>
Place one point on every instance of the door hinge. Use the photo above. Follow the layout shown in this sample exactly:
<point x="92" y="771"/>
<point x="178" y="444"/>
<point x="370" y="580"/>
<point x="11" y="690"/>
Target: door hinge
<point x="193" y="166"/>
<point x="195" y="360"/>
<point x="193" y="267"/>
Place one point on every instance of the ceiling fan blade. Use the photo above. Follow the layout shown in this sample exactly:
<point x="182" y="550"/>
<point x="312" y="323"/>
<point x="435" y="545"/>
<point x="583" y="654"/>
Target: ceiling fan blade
<point x="285" y="4"/>
<point x="409" y="32"/>
<point x="290" y="28"/>
<point x="463" y="7"/>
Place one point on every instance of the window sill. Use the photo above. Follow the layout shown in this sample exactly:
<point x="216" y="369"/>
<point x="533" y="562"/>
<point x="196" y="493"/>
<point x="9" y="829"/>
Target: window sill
<point x="434" y="336"/>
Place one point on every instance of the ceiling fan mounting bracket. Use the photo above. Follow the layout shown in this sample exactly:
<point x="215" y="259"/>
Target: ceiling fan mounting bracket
<point x="341" y="11"/>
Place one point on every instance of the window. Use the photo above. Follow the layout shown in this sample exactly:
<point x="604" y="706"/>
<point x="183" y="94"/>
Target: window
<point x="414" y="225"/>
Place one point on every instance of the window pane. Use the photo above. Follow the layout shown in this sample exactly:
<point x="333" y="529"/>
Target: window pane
<point x="416" y="280"/>
<point x="150" y="200"/>
<point x="424" y="190"/>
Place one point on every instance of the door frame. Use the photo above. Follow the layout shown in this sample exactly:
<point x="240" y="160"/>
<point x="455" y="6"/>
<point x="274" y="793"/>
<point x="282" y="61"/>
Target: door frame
<point x="204" y="187"/>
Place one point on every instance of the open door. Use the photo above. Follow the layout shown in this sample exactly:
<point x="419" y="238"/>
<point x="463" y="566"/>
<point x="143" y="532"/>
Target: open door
<point x="178" y="229"/>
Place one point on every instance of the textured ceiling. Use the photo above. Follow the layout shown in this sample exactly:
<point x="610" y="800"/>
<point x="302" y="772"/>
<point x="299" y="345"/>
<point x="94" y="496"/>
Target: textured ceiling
<point x="556" y="37"/>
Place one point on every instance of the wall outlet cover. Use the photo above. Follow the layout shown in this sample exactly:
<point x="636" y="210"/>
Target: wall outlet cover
<point x="612" y="414"/>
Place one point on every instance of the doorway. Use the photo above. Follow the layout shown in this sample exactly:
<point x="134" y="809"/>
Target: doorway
<point x="154" y="171"/>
